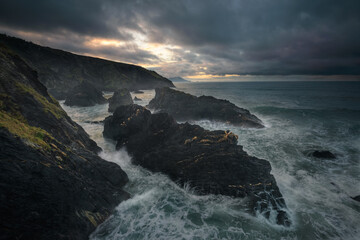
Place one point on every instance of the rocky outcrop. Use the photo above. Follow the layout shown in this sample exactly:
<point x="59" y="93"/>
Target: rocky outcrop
<point x="53" y="184"/>
<point x="61" y="71"/>
<point x="185" y="107"/>
<point x="84" y="95"/>
<point x="356" y="198"/>
<point x="323" y="154"/>
<point x="120" y="97"/>
<point x="210" y="161"/>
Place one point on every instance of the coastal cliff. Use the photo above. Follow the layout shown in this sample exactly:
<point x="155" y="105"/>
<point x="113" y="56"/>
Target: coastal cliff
<point x="60" y="71"/>
<point x="53" y="184"/>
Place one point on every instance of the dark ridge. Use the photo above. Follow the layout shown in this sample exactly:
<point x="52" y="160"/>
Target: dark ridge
<point x="60" y="71"/>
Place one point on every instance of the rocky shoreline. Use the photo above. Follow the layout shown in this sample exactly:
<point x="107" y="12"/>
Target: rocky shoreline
<point x="209" y="161"/>
<point x="65" y="190"/>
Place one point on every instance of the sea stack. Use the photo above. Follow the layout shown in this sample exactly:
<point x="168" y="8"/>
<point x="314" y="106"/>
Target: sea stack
<point x="121" y="97"/>
<point x="186" y="107"/>
<point x="84" y="95"/>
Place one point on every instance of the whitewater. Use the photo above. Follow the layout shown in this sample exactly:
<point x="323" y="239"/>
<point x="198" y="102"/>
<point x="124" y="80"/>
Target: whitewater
<point x="300" y="117"/>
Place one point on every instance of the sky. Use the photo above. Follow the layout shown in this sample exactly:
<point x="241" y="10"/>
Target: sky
<point x="199" y="39"/>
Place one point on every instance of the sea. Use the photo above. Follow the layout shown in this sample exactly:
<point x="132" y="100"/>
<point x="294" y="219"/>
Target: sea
<point x="299" y="117"/>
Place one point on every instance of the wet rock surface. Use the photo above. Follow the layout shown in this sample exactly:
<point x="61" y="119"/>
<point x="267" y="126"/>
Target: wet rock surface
<point x="211" y="162"/>
<point x="356" y="198"/>
<point x="53" y="184"/>
<point x="83" y="95"/>
<point x="120" y="97"/>
<point x="323" y="154"/>
<point x="185" y="107"/>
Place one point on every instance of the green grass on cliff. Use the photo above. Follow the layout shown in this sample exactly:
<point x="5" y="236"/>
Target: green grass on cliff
<point x="18" y="127"/>
<point x="12" y="119"/>
<point x="49" y="107"/>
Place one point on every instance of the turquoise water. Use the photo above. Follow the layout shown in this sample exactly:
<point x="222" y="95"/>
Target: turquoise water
<point x="299" y="117"/>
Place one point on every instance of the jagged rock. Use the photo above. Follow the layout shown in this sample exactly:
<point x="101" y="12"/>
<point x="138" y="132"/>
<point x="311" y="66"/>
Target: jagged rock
<point x="120" y="97"/>
<point x="137" y="99"/>
<point x="84" y="95"/>
<point x="323" y="154"/>
<point x="185" y="107"/>
<point x="210" y="161"/>
<point x="356" y="198"/>
<point x="53" y="183"/>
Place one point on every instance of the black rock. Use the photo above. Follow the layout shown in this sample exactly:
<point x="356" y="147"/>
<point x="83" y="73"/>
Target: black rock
<point x="84" y="95"/>
<point x="53" y="183"/>
<point x="120" y="97"/>
<point x="185" y="107"/>
<point x="323" y="154"/>
<point x="138" y="91"/>
<point x="210" y="161"/>
<point x="137" y="99"/>
<point x="356" y="198"/>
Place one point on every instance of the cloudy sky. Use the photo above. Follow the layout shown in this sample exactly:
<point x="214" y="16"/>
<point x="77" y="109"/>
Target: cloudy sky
<point x="199" y="39"/>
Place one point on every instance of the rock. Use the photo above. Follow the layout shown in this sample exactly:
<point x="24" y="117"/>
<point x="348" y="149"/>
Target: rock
<point x="137" y="99"/>
<point x="138" y="91"/>
<point x="210" y="161"/>
<point x="53" y="183"/>
<point x="120" y="97"/>
<point x="84" y="95"/>
<point x="356" y="198"/>
<point x="323" y="154"/>
<point x="185" y="107"/>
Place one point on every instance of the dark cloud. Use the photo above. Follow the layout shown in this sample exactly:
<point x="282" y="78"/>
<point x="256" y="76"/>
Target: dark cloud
<point x="216" y="37"/>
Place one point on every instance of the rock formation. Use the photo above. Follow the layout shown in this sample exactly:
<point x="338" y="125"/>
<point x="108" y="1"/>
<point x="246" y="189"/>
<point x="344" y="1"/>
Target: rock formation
<point x="210" y="161"/>
<point x="84" y="95"/>
<point x="185" y="107"/>
<point x="356" y="198"/>
<point x="53" y="184"/>
<point x="120" y="97"/>
<point x="323" y="154"/>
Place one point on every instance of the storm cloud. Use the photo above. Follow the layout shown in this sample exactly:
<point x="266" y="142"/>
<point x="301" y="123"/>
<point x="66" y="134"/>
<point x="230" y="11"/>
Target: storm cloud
<point x="208" y="37"/>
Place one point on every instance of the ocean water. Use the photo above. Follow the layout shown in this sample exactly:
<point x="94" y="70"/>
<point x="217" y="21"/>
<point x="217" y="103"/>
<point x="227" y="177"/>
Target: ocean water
<point x="299" y="117"/>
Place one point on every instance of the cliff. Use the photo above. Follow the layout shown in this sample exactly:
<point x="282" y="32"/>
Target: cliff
<point x="53" y="184"/>
<point x="60" y="71"/>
